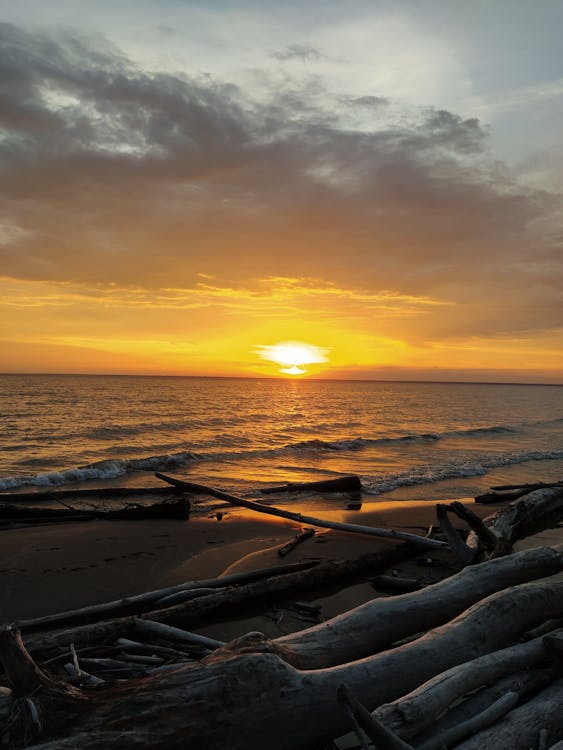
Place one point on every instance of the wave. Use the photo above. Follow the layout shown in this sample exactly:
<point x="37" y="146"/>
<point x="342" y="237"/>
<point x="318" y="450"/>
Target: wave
<point x="428" y="474"/>
<point x="100" y="470"/>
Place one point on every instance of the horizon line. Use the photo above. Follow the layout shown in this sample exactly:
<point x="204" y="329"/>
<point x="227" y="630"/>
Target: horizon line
<point x="274" y="377"/>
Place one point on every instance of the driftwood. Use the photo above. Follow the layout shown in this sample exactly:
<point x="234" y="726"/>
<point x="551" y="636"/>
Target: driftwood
<point x="295" y="542"/>
<point x="521" y="728"/>
<point x="341" y="484"/>
<point x="528" y="487"/>
<point x="299" y="518"/>
<point x="464" y="553"/>
<point x="186" y="707"/>
<point x="233" y="599"/>
<point x="111" y="492"/>
<point x="143" y="602"/>
<point x="13" y="514"/>
<point x="519" y="518"/>
<point x="352" y="635"/>
<point x="524" y="683"/>
<point x="418" y="710"/>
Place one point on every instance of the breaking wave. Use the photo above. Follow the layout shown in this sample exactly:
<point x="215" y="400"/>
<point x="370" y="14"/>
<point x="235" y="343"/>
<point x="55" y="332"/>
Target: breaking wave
<point x="428" y="474"/>
<point x="100" y="470"/>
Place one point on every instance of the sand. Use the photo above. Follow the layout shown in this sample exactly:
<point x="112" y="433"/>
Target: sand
<point x="53" y="568"/>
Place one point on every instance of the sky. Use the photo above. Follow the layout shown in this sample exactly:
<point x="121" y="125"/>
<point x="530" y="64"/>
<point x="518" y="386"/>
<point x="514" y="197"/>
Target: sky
<point x="185" y="186"/>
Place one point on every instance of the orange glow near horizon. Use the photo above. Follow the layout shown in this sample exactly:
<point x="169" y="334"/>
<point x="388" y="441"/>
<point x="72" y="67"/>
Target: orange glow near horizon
<point x="261" y="329"/>
<point x="293" y="356"/>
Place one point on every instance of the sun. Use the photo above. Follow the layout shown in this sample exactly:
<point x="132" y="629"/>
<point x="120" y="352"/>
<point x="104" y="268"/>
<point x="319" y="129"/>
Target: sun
<point x="293" y="356"/>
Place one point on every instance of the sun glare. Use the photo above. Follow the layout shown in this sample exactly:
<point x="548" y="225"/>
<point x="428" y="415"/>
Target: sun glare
<point x="293" y="356"/>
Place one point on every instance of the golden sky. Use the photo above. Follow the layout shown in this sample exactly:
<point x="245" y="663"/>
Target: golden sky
<point x="183" y="192"/>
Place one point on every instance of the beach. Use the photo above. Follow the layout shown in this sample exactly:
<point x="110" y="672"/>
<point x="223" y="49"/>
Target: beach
<point x="49" y="569"/>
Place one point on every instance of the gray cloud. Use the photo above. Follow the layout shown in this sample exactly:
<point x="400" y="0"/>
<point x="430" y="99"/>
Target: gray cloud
<point x="302" y="52"/>
<point x="120" y="174"/>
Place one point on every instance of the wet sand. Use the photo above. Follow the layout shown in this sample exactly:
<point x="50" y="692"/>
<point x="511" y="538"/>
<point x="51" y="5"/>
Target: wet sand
<point x="53" y="568"/>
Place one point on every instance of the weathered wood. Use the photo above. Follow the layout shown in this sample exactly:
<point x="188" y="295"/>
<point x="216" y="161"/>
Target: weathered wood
<point x="169" y="633"/>
<point x="233" y="599"/>
<point x="379" y="734"/>
<point x="464" y="553"/>
<point x="13" y="515"/>
<point x="520" y="729"/>
<point x="142" y="602"/>
<point x="350" y="483"/>
<point x="514" y="521"/>
<point x="526" y="683"/>
<point x="452" y="736"/>
<point x="299" y="518"/>
<point x="500" y="497"/>
<point x="529" y="487"/>
<point x="487" y="537"/>
<point x="296" y="541"/>
<point x="111" y="492"/>
<point x="353" y="635"/>
<point x="180" y="708"/>
<point x="416" y="711"/>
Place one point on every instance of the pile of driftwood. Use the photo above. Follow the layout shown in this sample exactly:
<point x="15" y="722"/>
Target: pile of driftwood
<point x="472" y="662"/>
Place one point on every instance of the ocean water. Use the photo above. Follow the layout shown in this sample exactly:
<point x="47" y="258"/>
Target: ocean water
<point x="405" y="440"/>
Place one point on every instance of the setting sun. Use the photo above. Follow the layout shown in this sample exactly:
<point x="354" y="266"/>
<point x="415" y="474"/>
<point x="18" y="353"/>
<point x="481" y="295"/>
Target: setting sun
<point x="294" y="356"/>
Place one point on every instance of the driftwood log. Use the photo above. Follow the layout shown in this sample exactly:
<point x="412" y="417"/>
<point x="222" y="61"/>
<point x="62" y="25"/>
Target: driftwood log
<point x="377" y="624"/>
<point x="251" y="685"/>
<point x="138" y="603"/>
<point x="520" y="518"/>
<point x="350" y="483"/>
<point x="299" y="518"/>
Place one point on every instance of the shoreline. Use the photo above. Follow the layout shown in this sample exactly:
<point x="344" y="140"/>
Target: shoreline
<point x="48" y="569"/>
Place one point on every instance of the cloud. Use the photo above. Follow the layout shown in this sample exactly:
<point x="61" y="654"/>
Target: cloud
<point x="111" y="173"/>
<point x="301" y="52"/>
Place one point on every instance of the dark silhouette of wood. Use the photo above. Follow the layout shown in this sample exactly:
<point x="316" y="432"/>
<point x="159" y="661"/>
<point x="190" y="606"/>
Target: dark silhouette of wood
<point x="185" y="707"/>
<point x="299" y="518"/>
<point x="350" y="483"/>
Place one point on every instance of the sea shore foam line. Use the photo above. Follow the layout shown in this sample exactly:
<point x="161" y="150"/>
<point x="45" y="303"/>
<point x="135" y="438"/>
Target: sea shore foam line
<point x="373" y="485"/>
<point x="101" y="470"/>
<point x="428" y="474"/>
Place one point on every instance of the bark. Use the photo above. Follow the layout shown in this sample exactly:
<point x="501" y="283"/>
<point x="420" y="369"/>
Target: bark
<point x="111" y="492"/>
<point x="528" y="487"/>
<point x="305" y="520"/>
<point x="284" y="707"/>
<point x="296" y="541"/>
<point x="489" y="716"/>
<point x="376" y="624"/>
<point x="520" y="729"/>
<point x="416" y="711"/>
<point x="464" y="553"/>
<point x="142" y="602"/>
<point x="233" y="599"/>
<point x="519" y="518"/>
<point x="341" y="484"/>
<point x="525" y="683"/>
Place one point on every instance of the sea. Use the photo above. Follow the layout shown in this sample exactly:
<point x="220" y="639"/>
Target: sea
<point x="406" y="440"/>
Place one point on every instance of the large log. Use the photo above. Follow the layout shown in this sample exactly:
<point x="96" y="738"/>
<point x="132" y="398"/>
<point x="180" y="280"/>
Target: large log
<point x="299" y="518"/>
<point x="208" y="704"/>
<point x="380" y="622"/>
